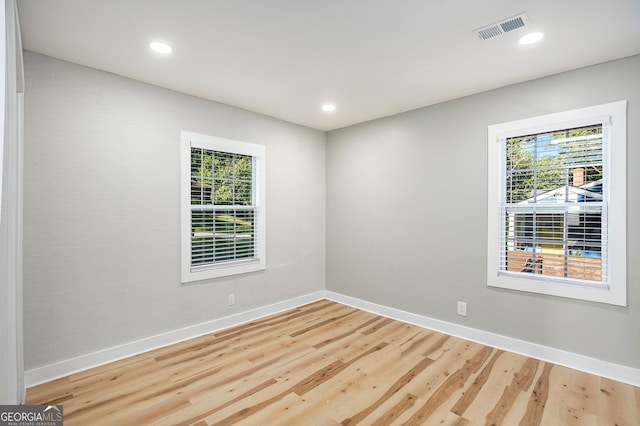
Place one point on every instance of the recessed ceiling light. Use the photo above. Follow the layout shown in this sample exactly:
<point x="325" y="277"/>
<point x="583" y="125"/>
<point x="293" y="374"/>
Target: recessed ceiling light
<point x="531" y="38"/>
<point x="328" y="107"/>
<point x="159" y="47"/>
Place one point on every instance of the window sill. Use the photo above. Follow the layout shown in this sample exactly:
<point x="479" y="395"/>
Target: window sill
<point x="601" y="293"/>
<point x="222" y="270"/>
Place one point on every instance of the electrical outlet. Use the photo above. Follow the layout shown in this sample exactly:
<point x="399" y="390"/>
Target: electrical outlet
<point x="462" y="308"/>
<point x="232" y="299"/>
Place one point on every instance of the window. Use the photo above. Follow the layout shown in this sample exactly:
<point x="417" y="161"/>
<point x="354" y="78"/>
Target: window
<point x="223" y="206"/>
<point x="557" y="204"/>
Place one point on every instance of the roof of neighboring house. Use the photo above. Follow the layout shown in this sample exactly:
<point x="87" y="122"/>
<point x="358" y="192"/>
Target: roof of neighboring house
<point x="594" y="184"/>
<point x="559" y="194"/>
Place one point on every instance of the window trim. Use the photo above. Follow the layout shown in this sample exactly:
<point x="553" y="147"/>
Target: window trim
<point x="242" y="266"/>
<point x="614" y="291"/>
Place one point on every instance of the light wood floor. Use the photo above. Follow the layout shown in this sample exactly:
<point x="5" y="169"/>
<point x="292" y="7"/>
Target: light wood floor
<point x="329" y="364"/>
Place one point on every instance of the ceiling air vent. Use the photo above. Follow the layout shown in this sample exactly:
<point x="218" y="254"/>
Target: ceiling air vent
<point x="501" y="27"/>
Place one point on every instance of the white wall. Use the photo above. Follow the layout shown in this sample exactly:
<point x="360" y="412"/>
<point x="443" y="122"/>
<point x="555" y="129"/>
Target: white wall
<point x="6" y="343"/>
<point x="11" y="363"/>
<point x="101" y="222"/>
<point x="407" y="215"/>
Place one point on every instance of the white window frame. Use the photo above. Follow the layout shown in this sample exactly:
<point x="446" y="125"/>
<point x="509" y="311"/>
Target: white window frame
<point x="614" y="289"/>
<point x="258" y="152"/>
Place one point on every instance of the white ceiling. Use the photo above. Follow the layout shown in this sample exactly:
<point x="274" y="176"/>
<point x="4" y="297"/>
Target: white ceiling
<point x="372" y="58"/>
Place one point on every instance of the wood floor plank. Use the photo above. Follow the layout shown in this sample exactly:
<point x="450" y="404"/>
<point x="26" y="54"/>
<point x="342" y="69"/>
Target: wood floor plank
<point x="472" y="391"/>
<point x="417" y="341"/>
<point x="559" y="384"/>
<point x="332" y="370"/>
<point x="500" y="375"/>
<point x="333" y="399"/>
<point x="392" y="390"/>
<point x="538" y="398"/>
<point x="49" y="392"/>
<point x="332" y="337"/>
<point x="522" y="379"/>
<point x="299" y="370"/>
<point x="291" y="409"/>
<point x="365" y="381"/>
<point x="329" y="364"/>
<point x="193" y="414"/>
<point x="329" y="322"/>
<point x="451" y="386"/>
<point x="362" y="383"/>
<point x="448" y="362"/>
<point x="618" y="403"/>
<point x="303" y="386"/>
<point x="393" y="413"/>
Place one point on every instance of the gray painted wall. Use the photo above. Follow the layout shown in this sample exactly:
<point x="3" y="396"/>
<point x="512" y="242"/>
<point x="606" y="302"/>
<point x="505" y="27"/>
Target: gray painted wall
<point x="101" y="211"/>
<point x="407" y="215"/>
<point x="101" y="221"/>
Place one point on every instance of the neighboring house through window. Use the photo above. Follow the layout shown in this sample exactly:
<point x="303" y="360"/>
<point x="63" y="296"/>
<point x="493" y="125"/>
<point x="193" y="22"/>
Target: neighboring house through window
<point x="222" y="207"/>
<point x="557" y="210"/>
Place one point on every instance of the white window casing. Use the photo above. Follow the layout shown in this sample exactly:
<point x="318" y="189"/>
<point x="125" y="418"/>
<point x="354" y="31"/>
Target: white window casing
<point x="517" y="226"/>
<point x="222" y="207"/>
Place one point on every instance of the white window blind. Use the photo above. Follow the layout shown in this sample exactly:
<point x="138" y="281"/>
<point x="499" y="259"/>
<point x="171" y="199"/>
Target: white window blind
<point x="223" y="207"/>
<point x="554" y="205"/>
<point x="223" y="217"/>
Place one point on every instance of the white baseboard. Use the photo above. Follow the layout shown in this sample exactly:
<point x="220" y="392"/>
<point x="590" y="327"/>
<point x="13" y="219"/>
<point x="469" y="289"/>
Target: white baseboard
<point x="598" y="367"/>
<point x="50" y="372"/>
